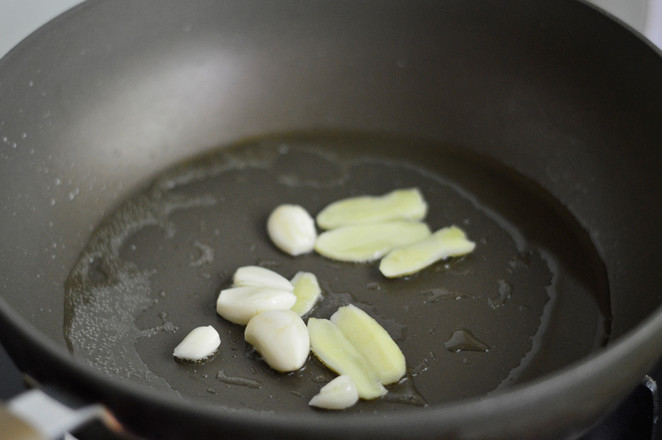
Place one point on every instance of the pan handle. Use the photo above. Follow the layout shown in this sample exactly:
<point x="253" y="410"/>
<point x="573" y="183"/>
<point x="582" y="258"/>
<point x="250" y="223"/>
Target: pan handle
<point x="15" y="428"/>
<point x="34" y="415"/>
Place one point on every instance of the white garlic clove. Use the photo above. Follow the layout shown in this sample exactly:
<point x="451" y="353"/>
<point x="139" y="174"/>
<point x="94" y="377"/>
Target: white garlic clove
<point x="199" y="344"/>
<point x="257" y="276"/>
<point x="340" y="393"/>
<point x="367" y="242"/>
<point x="240" y="304"/>
<point x="292" y="229"/>
<point x="281" y="338"/>
<point x="446" y="242"/>
<point x="401" y="204"/>
<point x="307" y="290"/>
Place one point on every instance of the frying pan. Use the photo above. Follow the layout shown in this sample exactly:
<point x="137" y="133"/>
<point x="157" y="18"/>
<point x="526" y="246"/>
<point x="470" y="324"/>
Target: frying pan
<point x="146" y="143"/>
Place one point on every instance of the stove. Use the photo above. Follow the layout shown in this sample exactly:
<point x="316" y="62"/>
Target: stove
<point x="634" y="419"/>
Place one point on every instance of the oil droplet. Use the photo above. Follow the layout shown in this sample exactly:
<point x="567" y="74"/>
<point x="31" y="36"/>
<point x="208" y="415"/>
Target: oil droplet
<point x="374" y="285"/>
<point x="405" y="392"/>
<point x="206" y="254"/>
<point x="464" y="340"/>
<point x="238" y="380"/>
<point x="438" y="294"/>
<point x="505" y="291"/>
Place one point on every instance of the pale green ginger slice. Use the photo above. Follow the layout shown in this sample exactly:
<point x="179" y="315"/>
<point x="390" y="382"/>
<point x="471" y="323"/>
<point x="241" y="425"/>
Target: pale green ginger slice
<point x="401" y="204"/>
<point x="406" y="260"/>
<point x="372" y="341"/>
<point x="371" y="241"/>
<point x="334" y="350"/>
<point x="307" y="290"/>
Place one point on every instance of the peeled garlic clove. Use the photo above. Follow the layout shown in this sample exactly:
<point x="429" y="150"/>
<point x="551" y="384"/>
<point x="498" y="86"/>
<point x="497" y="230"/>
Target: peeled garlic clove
<point x="199" y="344"/>
<point x="292" y="229"/>
<point x="372" y="341"/>
<point x="340" y="393"/>
<point x="406" y="260"/>
<point x="367" y="242"/>
<point x="336" y="352"/>
<point x="307" y="290"/>
<point x="406" y="204"/>
<point x="281" y="337"/>
<point x="240" y="304"/>
<point x="257" y="276"/>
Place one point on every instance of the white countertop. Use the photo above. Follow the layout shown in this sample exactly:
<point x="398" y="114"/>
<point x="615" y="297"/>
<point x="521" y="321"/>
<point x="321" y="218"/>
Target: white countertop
<point x="18" y="18"/>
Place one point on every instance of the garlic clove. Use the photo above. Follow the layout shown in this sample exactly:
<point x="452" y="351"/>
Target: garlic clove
<point x="281" y="338"/>
<point x="292" y="229"/>
<point x="372" y="341"/>
<point x="199" y="344"/>
<point x="240" y="304"/>
<point x="257" y="276"/>
<point x="340" y="393"/>
<point x="367" y="242"/>
<point x="336" y="352"/>
<point x="307" y="290"/>
<point x="406" y="260"/>
<point x="404" y="204"/>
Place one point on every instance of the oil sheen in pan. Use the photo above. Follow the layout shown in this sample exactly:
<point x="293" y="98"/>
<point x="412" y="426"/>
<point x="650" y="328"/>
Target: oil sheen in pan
<point x="532" y="298"/>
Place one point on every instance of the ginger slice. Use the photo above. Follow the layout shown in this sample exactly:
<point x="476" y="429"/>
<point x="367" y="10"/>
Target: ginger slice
<point x="403" y="204"/>
<point x="336" y="352"/>
<point x="307" y="290"/>
<point x="406" y="260"/>
<point x="372" y="341"/>
<point x="367" y="242"/>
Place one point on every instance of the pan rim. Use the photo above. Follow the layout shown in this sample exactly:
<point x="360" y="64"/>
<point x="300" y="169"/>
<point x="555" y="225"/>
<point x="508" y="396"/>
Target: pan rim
<point x="569" y="381"/>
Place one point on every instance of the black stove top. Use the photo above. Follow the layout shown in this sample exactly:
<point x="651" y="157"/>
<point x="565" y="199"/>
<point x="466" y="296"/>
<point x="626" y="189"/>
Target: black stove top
<point x="634" y="419"/>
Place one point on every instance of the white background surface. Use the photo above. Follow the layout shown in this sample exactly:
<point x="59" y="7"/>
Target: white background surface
<point x="18" y="18"/>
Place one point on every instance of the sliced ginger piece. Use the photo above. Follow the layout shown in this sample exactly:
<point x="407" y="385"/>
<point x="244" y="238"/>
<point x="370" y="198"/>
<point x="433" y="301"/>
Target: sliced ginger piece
<point x="372" y="341"/>
<point x="406" y="260"/>
<point x="336" y="352"/>
<point x="307" y="290"/>
<point x="371" y="241"/>
<point x="404" y="204"/>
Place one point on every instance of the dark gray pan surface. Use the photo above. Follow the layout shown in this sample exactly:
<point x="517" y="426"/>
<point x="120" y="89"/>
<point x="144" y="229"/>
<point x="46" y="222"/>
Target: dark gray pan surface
<point x="534" y="292"/>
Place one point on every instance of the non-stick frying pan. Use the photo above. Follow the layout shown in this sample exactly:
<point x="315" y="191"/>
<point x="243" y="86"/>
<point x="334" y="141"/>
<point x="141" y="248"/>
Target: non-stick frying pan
<point x="145" y="143"/>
